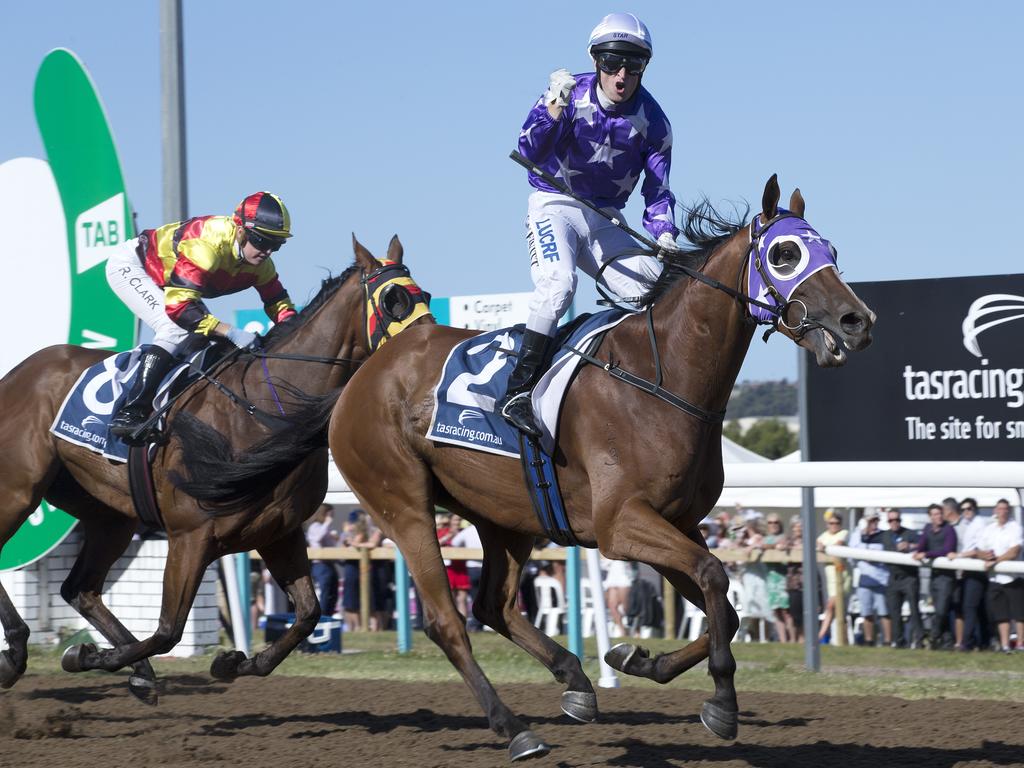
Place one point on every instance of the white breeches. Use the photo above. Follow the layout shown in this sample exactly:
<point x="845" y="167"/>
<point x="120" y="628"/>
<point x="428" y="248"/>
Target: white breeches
<point x="564" y="235"/>
<point x="130" y="281"/>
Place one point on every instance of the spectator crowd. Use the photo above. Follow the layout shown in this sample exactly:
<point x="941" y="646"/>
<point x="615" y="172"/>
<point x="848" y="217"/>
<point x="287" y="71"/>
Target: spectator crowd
<point x="901" y="605"/>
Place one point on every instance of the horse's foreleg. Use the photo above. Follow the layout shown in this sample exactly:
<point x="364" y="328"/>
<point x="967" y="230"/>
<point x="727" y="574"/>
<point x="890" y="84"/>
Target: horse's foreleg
<point x="639" y="533"/>
<point x="665" y="667"/>
<point x="288" y="563"/>
<point x="496" y="605"/>
<point x="105" y="539"/>
<point x="187" y="558"/>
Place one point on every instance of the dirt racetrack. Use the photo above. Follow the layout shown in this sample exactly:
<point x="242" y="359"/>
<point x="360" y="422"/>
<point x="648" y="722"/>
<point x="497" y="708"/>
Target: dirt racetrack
<point x="93" y="721"/>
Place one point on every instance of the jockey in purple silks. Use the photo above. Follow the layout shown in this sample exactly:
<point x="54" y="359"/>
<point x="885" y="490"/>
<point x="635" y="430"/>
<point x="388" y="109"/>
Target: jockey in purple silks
<point x="597" y="132"/>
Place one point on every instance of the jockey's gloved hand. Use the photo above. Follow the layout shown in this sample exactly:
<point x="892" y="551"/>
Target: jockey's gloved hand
<point x="242" y="338"/>
<point x="560" y="85"/>
<point x="667" y="244"/>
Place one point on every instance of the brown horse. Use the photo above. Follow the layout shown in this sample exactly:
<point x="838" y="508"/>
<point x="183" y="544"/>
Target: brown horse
<point x="637" y="475"/>
<point x="337" y="323"/>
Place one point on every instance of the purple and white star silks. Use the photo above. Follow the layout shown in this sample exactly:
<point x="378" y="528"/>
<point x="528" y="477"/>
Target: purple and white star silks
<point x="600" y="154"/>
<point x="816" y="254"/>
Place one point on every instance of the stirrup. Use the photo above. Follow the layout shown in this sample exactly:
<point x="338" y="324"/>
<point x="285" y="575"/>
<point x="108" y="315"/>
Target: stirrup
<point x="518" y="412"/>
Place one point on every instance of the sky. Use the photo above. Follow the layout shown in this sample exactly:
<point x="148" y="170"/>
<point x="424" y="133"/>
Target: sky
<point x="900" y="123"/>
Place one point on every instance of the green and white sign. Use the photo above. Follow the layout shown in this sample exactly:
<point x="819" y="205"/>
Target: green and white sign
<point x="70" y="214"/>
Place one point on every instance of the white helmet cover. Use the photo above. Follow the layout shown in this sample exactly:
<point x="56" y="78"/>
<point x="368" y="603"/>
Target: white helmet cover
<point x="621" y="30"/>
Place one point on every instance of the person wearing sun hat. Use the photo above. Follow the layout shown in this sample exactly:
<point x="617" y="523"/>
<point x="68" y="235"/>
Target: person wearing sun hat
<point x="837" y="575"/>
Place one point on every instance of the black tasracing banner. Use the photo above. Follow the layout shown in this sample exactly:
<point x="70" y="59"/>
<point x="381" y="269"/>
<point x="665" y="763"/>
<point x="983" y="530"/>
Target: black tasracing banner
<point x="943" y="379"/>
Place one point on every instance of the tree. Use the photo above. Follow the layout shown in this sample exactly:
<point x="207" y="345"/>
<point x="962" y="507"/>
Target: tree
<point x="770" y="438"/>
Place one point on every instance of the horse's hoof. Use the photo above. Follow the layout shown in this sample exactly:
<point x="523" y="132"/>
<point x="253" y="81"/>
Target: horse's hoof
<point x="74" y="657"/>
<point x="144" y="689"/>
<point x="580" y="705"/>
<point x="9" y="673"/>
<point x="525" y="745"/>
<point x="225" y="665"/>
<point x="628" y="659"/>
<point x="721" y="722"/>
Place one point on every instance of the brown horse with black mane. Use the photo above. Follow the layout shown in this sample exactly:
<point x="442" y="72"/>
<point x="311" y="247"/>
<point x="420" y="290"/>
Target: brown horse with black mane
<point x="637" y="474"/>
<point x="307" y="357"/>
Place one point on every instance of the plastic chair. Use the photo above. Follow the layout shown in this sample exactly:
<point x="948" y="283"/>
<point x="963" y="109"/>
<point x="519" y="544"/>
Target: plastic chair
<point x="694" y="622"/>
<point x="550" y="604"/>
<point x="737" y="600"/>
<point x="587" y="612"/>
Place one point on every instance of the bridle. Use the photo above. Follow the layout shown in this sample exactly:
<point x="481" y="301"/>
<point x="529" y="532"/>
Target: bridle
<point x="756" y="258"/>
<point x="393" y="301"/>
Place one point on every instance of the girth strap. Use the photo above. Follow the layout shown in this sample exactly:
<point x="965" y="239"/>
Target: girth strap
<point x="545" y="495"/>
<point x="140" y="482"/>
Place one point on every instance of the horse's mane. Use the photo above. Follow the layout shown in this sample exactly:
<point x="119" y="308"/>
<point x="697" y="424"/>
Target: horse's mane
<point x="328" y="288"/>
<point x="224" y="481"/>
<point x="705" y="229"/>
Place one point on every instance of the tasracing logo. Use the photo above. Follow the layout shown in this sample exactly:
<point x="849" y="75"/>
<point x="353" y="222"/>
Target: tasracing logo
<point x="988" y="305"/>
<point x="469" y="415"/>
<point x="88" y="420"/>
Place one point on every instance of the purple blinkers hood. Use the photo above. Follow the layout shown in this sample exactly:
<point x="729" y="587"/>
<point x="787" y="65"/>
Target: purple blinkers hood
<point x="816" y="253"/>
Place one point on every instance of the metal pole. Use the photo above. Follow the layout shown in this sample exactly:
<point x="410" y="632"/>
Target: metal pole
<point x="242" y="564"/>
<point x="572" y="597"/>
<point x="812" y="653"/>
<point x="402" y="598"/>
<point x="172" y="88"/>
<point x="608" y="676"/>
<point x="234" y="604"/>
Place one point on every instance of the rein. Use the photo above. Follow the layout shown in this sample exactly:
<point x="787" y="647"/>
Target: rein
<point x="651" y="387"/>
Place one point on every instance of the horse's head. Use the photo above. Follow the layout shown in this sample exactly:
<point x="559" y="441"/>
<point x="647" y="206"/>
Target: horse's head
<point x="794" y="268"/>
<point x="392" y="301"/>
<point x="356" y="311"/>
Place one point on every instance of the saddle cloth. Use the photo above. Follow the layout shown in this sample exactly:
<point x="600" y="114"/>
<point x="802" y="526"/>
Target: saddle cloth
<point x="475" y="376"/>
<point x="84" y="417"/>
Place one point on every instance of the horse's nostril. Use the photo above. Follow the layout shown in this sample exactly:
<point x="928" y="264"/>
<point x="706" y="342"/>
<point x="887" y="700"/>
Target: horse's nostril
<point x="852" y="322"/>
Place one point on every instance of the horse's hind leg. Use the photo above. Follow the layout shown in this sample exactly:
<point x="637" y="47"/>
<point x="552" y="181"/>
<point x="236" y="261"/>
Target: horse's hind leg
<point x="505" y="554"/>
<point x="288" y="563"/>
<point x="411" y="526"/>
<point x="106" y="537"/>
<point x="21" y="493"/>
<point x="14" y="660"/>
<point x="651" y="539"/>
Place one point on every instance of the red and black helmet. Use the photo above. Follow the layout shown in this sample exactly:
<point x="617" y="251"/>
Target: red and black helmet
<point x="265" y="213"/>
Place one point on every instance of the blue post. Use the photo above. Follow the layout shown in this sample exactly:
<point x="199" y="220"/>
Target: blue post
<point x="402" y="599"/>
<point x="572" y="587"/>
<point x="244" y="598"/>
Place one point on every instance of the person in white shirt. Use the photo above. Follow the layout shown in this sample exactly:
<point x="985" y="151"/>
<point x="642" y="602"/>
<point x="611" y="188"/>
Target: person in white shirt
<point x="972" y="626"/>
<point x="1001" y="542"/>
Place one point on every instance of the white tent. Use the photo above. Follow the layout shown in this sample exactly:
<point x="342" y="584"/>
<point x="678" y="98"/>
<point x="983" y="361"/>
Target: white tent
<point x="790" y="498"/>
<point x="781" y="498"/>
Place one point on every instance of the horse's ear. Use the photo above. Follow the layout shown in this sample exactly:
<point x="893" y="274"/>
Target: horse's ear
<point x="796" y="203"/>
<point x="363" y="257"/>
<point x="395" y="250"/>
<point x="770" y="199"/>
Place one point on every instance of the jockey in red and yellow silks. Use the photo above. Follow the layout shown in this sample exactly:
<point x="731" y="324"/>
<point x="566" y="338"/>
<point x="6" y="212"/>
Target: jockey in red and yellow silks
<point x="200" y="258"/>
<point x="164" y="275"/>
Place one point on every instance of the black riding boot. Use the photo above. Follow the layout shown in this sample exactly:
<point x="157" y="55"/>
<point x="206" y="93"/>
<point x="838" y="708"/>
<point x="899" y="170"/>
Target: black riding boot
<point x="515" y="406"/>
<point x="154" y="365"/>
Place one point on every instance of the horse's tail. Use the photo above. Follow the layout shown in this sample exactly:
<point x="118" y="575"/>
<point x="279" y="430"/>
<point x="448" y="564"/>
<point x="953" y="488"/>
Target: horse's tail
<point x="224" y="481"/>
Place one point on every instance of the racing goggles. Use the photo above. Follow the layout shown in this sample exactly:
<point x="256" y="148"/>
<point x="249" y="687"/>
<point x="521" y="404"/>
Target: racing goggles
<point x="262" y="242"/>
<point x="611" y="63"/>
